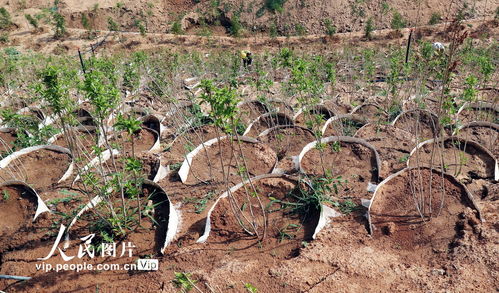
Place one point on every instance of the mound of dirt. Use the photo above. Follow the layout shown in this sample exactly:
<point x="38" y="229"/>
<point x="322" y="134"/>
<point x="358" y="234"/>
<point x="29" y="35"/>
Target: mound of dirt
<point x="83" y="140"/>
<point x="255" y="158"/>
<point x="188" y="141"/>
<point x="354" y="163"/>
<point x="27" y="168"/>
<point x="249" y="111"/>
<point x="287" y="142"/>
<point x="417" y="210"/>
<point x="462" y="159"/>
<point x="267" y="121"/>
<point x="306" y="117"/>
<point x="423" y="125"/>
<point x="479" y="112"/>
<point x="7" y="138"/>
<point x="17" y="209"/>
<point x="143" y="141"/>
<point x="345" y="125"/>
<point x="278" y="106"/>
<point x="285" y="230"/>
<point x="393" y="145"/>
<point x="371" y="112"/>
<point x="486" y="135"/>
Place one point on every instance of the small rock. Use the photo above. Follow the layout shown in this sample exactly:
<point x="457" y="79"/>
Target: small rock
<point x="438" y="272"/>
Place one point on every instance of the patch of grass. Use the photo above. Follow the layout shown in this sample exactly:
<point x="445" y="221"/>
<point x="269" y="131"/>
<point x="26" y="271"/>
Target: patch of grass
<point x="177" y="28"/>
<point x="336" y="146"/>
<point x="32" y="21"/>
<point x="184" y="281"/>
<point x="4" y="38"/>
<point x="300" y="30"/>
<point x="140" y="25"/>
<point x="309" y="194"/>
<point x="330" y="28"/>
<point x="112" y="25"/>
<point x="346" y="207"/>
<point x="398" y="22"/>
<point x="5" y="19"/>
<point x="404" y="158"/>
<point x="369" y="28"/>
<point x="5" y="195"/>
<point x="288" y="232"/>
<point x="385" y="7"/>
<point x="175" y="167"/>
<point x="275" y="5"/>
<point x="250" y="288"/>
<point x="71" y="196"/>
<point x="200" y="203"/>
<point x="273" y="32"/>
<point x="434" y="18"/>
<point x="394" y="110"/>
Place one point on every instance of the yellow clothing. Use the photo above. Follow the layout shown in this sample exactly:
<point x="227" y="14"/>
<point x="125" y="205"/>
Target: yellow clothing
<point x="243" y="54"/>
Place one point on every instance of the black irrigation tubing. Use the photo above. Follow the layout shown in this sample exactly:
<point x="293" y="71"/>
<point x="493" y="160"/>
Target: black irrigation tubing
<point x="93" y="47"/>
<point x="384" y="79"/>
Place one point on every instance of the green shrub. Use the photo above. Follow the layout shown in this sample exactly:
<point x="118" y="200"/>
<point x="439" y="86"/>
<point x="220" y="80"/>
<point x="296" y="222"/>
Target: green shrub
<point x="5" y="19"/>
<point x="112" y="25"/>
<point x="235" y="26"/>
<point x="385" y="7"/>
<point x="140" y="25"/>
<point x="398" y="21"/>
<point x="434" y="18"/>
<point x="330" y="28"/>
<point x="4" y="38"/>
<point x="59" y="25"/>
<point x="273" y="30"/>
<point x="33" y="21"/>
<point x="300" y="30"/>
<point x="275" y="5"/>
<point x="369" y="28"/>
<point x="177" y="28"/>
<point x="85" y="22"/>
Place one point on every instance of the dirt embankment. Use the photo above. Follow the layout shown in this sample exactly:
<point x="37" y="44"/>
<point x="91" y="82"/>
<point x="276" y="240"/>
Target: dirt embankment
<point x="294" y="17"/>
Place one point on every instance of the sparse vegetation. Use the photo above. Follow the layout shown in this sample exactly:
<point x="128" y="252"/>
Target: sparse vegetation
<point x="434" y="18"/>
<point x="184" y="281"/>
<point x="275" y="5"/>
<point x="59" y="25"/>
<point x="235" y="26"/>
<point x="300" y="30"/>
<point x="398" y="22"/>
<point x="4" y="38"/>
<point x="177" y="28"/>
<point x="112" y="25"/>
<point x="250" y="288"/>
<point x="5" y="195"/>
<point x="369" y="28"/>
<point x="32" y="21"/>
<point x="5" y="19"/>
<point x="330" y="28"/>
